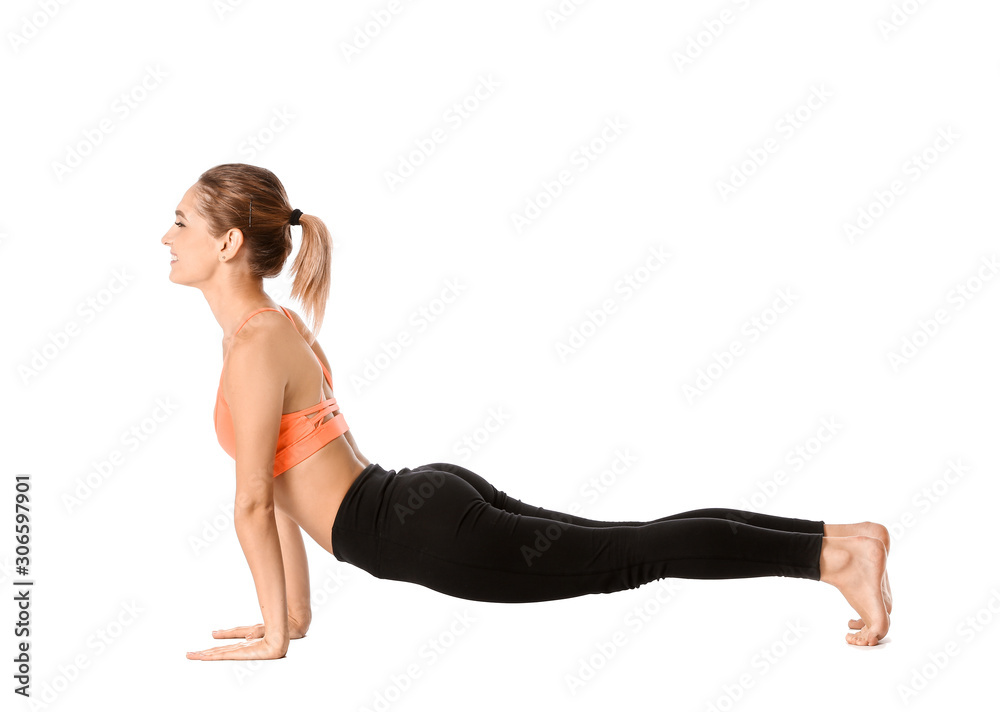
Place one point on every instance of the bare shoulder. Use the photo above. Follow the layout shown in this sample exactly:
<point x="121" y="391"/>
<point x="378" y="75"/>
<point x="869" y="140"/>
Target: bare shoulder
<point x="260" y="335"/>
<point x="261" y="326"/>
<point x="310" y="339"/>
<point x="300" y="324"/>
<point x="257" y="351"/>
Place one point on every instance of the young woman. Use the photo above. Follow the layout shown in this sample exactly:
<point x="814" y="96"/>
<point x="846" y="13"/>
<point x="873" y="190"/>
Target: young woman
<point x="437" y="525"/>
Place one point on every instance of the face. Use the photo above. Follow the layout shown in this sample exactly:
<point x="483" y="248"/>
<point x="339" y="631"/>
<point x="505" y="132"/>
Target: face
<point x="195" y="254"/>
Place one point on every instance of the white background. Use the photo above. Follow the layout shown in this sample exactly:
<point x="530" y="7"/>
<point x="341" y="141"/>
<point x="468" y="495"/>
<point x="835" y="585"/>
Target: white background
<point x="129" y="539"/>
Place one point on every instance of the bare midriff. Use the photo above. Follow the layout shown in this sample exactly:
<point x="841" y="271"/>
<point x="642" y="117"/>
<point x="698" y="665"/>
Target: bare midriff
<point x="311" y="491"/>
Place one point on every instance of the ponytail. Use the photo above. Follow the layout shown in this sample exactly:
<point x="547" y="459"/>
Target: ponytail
<point x="252" y="199"/>
<point x="311" y="269"/>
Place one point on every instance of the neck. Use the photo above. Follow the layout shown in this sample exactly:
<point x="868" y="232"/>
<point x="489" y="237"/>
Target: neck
<point x="231" y="303"/>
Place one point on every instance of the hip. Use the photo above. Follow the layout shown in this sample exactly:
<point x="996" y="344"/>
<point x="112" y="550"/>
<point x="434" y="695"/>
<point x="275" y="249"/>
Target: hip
<point x="394" y="505"/>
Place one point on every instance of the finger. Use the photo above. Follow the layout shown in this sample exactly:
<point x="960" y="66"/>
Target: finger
<point x="247" y="650"/>
<point x="220" y="653"/>
<point x="229" y="632"/>
<point x="239" y="632"/>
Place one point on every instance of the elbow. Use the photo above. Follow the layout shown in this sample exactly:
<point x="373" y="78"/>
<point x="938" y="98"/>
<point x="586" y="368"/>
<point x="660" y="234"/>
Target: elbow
<point x="249" y="519"/>
<point x="254" y="494"/>
<point x="254" y="507"/>
<point x="251" y="508"/>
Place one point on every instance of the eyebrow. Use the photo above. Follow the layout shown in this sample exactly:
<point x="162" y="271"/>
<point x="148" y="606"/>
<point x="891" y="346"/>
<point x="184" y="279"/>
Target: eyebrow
<point x="178" y="212"/>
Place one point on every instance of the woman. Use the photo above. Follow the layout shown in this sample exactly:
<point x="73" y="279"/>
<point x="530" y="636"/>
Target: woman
<point x="437" y="525"/>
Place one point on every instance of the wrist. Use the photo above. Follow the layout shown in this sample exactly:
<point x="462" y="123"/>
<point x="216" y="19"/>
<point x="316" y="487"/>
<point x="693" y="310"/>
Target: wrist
<point x="278" y="631"/>
<point x="277" y="641"/>
<point x="298" y="623"/>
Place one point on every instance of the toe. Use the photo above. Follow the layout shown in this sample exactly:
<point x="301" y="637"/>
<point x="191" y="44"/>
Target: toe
<point x="861" y="637"/>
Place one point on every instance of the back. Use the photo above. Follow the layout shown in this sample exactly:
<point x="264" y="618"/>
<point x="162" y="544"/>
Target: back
<point x="301" y="433"/>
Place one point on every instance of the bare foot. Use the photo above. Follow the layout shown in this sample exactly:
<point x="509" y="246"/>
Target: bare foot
<point x="876" y="531"/>
<point x="857" y="623"/>
<point x="855" y="566"/>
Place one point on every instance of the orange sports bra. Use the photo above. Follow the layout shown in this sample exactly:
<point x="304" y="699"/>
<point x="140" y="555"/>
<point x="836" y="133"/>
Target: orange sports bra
<point x="299" y="436"/>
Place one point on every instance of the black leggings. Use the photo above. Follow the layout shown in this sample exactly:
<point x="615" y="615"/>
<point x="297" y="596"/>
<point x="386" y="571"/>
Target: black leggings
<point x="446" y="528"/>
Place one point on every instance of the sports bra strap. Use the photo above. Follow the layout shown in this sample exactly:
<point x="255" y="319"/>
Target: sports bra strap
<point x="291" y="319"/>
<point x="253" y="314"/>
<point x="326" y="373"/>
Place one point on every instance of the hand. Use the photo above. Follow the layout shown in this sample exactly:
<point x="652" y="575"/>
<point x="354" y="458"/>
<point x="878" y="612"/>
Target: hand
<point x="296" y="629"/>
<point x="249" y="649"/>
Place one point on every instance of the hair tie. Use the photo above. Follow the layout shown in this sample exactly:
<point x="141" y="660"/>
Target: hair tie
<point x="294" y="220"/>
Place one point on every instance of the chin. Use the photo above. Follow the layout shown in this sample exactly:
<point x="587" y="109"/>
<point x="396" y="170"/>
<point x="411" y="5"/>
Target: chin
<point x="174" y="277"/>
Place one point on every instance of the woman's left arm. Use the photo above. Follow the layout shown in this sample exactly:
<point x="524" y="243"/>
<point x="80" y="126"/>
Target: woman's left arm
<point x="254" y="389"/>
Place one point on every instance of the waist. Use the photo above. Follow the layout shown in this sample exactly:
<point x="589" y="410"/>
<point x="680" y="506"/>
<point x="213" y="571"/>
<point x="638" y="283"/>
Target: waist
<point x="365" y="512"/>
<point x="358" y="522"/>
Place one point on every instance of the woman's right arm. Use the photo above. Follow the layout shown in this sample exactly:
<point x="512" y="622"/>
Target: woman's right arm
<point x="297" y="594"/>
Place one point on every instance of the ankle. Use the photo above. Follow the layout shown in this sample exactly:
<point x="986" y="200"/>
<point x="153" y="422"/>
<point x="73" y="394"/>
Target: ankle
<point x="842" y="530"/>
<point x="834" y="558"/>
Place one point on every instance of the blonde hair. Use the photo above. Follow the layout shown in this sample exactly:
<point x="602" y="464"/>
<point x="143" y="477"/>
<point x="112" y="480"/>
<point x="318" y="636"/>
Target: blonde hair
<point x="252" y="199"/>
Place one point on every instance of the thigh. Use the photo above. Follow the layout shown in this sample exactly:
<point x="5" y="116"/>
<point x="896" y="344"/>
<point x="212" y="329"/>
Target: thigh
<point x="501" y="500"/>
<point x="505" y="502"/>
<point x="441" y="533"/>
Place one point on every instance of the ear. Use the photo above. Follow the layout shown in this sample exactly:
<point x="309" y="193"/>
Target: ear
<point x="231" y="243"/>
